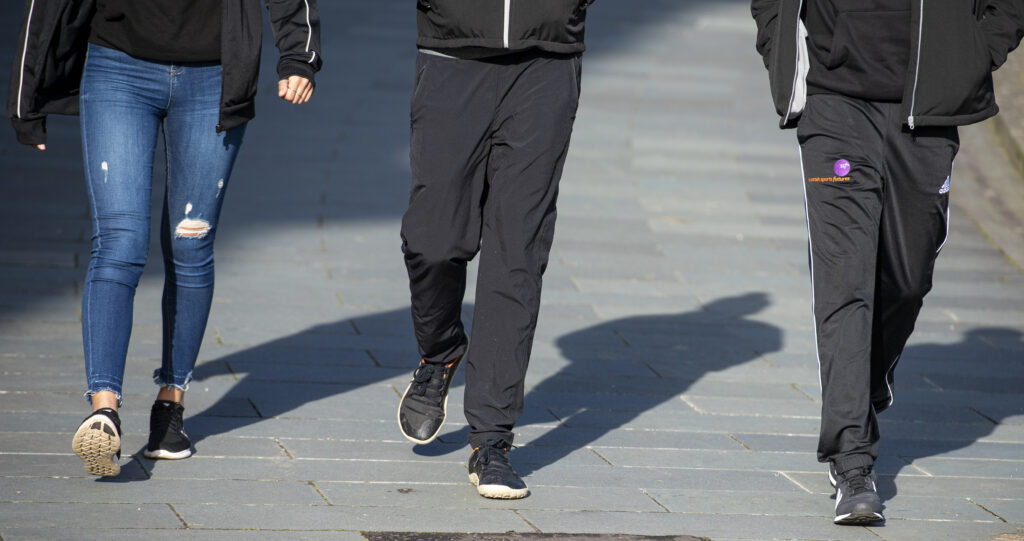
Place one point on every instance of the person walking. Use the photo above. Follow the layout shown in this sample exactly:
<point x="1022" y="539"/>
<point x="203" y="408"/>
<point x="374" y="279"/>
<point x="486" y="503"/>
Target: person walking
<point x="494" y="101"/>
<point x="132" y="70"/>
<point x="876" y="90"/>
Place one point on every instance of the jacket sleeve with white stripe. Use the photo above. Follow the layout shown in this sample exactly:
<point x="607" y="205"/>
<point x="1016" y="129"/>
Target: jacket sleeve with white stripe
<point x="47" y="65"/>
<point x="296" y="25"/>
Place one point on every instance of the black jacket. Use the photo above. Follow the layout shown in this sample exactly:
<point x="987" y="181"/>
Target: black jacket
<point x="955" y="46"/>
<point x="550" y="25"/>
<point x="54" y="36"/>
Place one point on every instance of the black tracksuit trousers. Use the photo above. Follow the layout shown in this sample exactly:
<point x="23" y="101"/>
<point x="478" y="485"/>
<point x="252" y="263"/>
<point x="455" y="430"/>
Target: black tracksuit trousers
<point x="877" y="215"/>
<point x="489" y="139"/>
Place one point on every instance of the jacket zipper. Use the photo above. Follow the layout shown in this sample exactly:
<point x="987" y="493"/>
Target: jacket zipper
<point x="24" y="54"/>
<point x="917" y="67"/>
<point x="796" y="71"/>
<point x="508" y="11"/>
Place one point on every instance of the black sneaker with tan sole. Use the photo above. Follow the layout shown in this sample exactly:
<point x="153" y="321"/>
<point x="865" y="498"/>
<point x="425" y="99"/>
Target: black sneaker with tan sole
<point x="98" y="443"/>
<point x="491" y="471"/>
<point x="424" y="405"/>
<point x="167" y="438"/>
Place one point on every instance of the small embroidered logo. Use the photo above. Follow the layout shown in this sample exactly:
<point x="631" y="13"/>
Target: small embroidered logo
<point x="945" y="187"/>
<point x="841" y="168"/>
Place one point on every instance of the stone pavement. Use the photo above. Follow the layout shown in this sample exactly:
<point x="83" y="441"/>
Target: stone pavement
<point x="673" y="389"/>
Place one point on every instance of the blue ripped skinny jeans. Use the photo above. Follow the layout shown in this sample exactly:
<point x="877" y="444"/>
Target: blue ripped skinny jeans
<point x="125" y="104"/>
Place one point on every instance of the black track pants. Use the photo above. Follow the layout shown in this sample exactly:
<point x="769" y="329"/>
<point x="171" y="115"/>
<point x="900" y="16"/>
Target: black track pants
<point x="489" y="138"/>
<point x="877" y="209"/>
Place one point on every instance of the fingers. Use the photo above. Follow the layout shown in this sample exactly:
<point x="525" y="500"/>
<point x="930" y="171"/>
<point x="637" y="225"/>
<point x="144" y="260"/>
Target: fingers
<point x="295" y="89"/>
<point x="40" y="147"/>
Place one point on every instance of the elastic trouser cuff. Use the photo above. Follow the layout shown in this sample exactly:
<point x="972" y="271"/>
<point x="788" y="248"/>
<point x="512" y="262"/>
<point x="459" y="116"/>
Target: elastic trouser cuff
<point x="478" y="439"/>
<point x="852" y="462"/>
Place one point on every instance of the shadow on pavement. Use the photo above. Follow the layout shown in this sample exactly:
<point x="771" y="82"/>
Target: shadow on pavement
<point x="992" y="361"/>
<point x="280" y="378"/>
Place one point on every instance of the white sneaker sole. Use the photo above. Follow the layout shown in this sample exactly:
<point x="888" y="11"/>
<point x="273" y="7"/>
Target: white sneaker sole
<point x="859" y="518"/>
<point x="498" y="492"/>
<point x="98" y="447"/>
<point x="168" y="455"/>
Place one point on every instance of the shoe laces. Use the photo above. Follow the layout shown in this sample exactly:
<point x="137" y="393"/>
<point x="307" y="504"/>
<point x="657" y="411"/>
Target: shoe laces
<point x="858" y="479"/>
<point x="495" y="452"/>
<point x="428" y="377"/>
<point x="168" y="420"/>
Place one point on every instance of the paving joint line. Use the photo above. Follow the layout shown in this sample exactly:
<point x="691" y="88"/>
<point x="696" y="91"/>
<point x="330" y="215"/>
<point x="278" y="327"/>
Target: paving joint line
<point x="987" y="510"/>
<point x="599" y="455"/>
<point x="135" y="459"/>
<point x="320" y="492"/>
<point x="655" y="500"/>
<point x="231" y="370"/>
<point x="254" y="408"/>
<point x="177" y="514"/>
<point x="910" y="462"/>
<point x="520" y="515"/>
<point x="876" y="534"/>
<point x="691" y="404"/>
<point x="284" y="449"/>
<point x="797" y="388"/>
<point x="986" y="417"/>
<point x="369" y="354"/>
<point x="795" y="482"/>
<point x="739" y="441"/>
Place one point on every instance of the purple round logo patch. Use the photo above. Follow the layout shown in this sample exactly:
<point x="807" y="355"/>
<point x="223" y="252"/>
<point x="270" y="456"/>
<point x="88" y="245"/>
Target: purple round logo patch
<point x="841" y="168"/>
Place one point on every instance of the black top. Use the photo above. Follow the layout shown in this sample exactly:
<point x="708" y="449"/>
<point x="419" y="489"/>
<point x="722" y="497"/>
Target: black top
<point x="160" y="30"/>
<point x="859" y="48"/>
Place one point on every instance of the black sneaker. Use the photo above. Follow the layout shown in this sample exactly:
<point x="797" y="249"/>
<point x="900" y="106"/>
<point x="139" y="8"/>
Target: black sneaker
<point x="492" y="473"/>
<point x="424" y="406"/>
<point x="167" y="438"/>
<point x="857" y="499"/>
<point x="98" y="443"/>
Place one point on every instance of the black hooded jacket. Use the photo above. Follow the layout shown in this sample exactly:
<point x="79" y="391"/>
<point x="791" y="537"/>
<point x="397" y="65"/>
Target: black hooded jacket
<point x="55" y="33"/>
<point x="555" y="26"/>
<point x="955" y="46"/>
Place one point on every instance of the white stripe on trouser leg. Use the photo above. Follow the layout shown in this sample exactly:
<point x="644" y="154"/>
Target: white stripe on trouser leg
<point x="810" y="258"/>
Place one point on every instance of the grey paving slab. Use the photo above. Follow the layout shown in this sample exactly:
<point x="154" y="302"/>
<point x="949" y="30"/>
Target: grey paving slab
<point x="351" y="518"/>
<point x="88" y="516"/>
<point x="949" y="531"/>
<point x="734" y="460"/>
<point x="710" y="525"/>
<point x="157" y="491"/>
<point x="77" y="534"/>
<point x="966" y="467"/>
<point x="62" y="465"/>
<point x="1008" y="509"/>
<point x="455" y="498"/>
<point x="285" y="469"/>
<point x="674" y="367"/>
<point x="927" y="486"/>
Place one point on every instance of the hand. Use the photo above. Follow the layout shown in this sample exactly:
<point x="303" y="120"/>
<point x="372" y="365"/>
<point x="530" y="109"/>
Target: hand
<point x="40" y="147"/>
<point x="295" y="89"/>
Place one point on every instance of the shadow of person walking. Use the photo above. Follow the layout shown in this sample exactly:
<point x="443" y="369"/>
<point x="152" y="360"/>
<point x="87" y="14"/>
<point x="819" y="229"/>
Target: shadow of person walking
<point x="959" y="396"/>
<point x="301" y="377"/>
<point x="621" y="369"/>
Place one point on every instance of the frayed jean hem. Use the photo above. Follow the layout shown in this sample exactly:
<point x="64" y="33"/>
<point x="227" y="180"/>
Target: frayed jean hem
<point x="91" y="391"/>
<point x="161" y="380"/>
